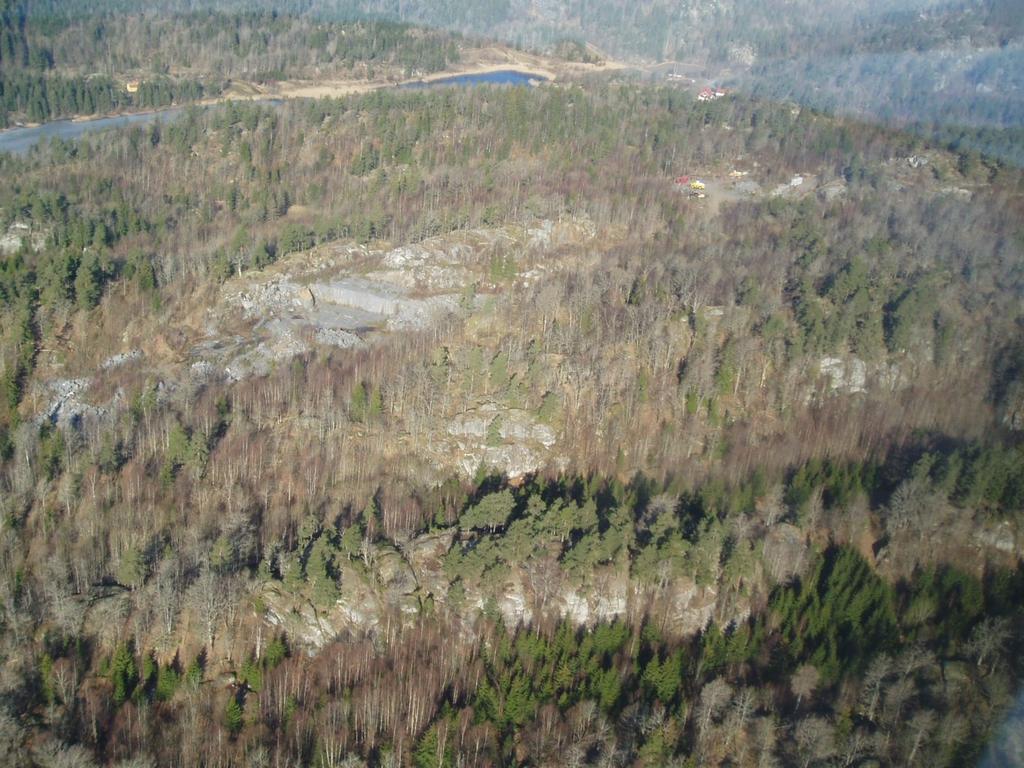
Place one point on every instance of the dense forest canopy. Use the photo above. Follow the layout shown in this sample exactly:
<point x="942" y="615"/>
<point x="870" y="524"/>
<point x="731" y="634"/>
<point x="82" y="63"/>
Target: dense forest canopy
<point x="63" y="66"/>
<point x="940" y="68"/>
<point x="591" y="422"/>
<point x="658" y="29"/>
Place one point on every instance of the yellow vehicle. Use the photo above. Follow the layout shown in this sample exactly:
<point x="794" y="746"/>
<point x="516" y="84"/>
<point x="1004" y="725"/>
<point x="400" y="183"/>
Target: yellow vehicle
<point x="697" y="186"/>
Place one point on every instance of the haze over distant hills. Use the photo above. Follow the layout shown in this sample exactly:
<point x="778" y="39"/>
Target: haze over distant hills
<point x="661" y="29"/>
<point x="956" y="65"/>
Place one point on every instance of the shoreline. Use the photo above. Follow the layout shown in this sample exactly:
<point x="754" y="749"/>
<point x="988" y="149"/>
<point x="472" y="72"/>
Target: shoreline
<point x="285" y="90"/>
<point x="311" y="89"/>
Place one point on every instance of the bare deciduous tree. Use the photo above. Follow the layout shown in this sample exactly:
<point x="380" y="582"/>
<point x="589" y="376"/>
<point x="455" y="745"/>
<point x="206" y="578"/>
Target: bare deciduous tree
<point x="988" y="641"/>
<point x="815" y="740"/>
<point x="208" y="600"/>
<point x="804" y="682"/>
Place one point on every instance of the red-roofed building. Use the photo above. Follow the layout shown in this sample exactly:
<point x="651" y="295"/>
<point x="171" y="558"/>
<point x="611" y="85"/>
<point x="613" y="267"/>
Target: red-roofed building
<point x="710" y="94"/>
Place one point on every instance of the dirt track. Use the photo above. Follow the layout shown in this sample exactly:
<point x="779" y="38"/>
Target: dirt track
<point x="484" y="61"/>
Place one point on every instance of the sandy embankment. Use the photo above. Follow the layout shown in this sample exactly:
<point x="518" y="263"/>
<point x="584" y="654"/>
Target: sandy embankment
<point x="484" y="61"/>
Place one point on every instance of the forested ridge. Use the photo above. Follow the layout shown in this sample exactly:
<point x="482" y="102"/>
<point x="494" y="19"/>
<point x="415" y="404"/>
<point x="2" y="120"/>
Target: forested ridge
<point x="944" y="69"/>
<point x="659" y="29"/>
<point x="54" y="66"/>
<point x="665" y="480"/>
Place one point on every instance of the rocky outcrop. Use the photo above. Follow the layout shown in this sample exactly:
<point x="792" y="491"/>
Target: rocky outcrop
<point x="508" y="440"/>
<point x="691" y="606"/>
<point x="1001" y="537"/>
<point x="512" y="424"/>
<point x="848" y="376"/>
<point x="852" y="375"/>
<point x="123" y="358"/>
<point x="392" y="584"/>
<point x="66" y="407"/>
<point x="20" y="235"/>
<point x="425" y="556"/>
<point x="1012" y="407"/>
<point x="396" y="580"/>
<point x="513" y="461"/>
<point x="358" y="612"/>
<point x="341" y="294"/>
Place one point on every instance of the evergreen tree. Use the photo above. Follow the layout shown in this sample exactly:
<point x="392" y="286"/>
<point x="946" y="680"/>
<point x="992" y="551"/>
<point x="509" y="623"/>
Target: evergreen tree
<point x="123" y="673"/>
<point x="233" y="715"/>
<point x="88" y="282"/>
<point x="491" y="512"/>
<point x="132" y="570"/>
<point x="359" y="403"/>
<point x="320" y="571"/>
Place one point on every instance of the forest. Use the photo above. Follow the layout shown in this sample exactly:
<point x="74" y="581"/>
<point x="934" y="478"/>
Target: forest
<point x="656" y="29"/>
<point x="940" y="69"/>
<point x="660" y="479"/>
<point x="54" y="66"/>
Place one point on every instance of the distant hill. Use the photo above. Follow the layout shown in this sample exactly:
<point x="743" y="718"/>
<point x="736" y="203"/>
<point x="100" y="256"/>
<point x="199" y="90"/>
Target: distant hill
<point x="955" y="65"/>
<point x="657" y="29"/>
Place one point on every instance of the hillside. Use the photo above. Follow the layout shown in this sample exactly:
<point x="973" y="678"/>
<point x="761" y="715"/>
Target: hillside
<point x="581" y="423"/>
<point x="406" y="371"/>
<point x="56" y="66"/>
<point x="949" y="70"/>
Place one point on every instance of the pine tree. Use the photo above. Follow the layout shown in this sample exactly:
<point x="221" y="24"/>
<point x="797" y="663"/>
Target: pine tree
<point x="233" y="716"/>
<point x="132" y="570"/>
<point x="434" y="749"/>
<point x="89" y="282"/>
<point x="492" y="511"/>
<point x="358" y="403"/>
<point x="167" y="683"/>
<point x="123" y="674"/>
<point x="277" y="651"/>
<point x="376" y="406"/>
<point x="320" y="572"/>
<point x="494" y="432"/>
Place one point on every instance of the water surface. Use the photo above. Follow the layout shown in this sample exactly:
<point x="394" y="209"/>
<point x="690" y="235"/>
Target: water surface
<point x="501" y="77"/>
<point x="20" y="140"/>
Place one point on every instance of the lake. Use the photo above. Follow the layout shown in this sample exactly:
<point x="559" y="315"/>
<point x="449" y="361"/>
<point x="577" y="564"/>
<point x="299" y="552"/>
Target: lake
<point x="20" y="140"/>
<point x="501" y="77"/>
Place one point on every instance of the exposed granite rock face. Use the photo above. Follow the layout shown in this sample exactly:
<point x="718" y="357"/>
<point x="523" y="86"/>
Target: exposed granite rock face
<point x="66" y="407"/>
<point x="850" y="375"/>
<point x="1002" y="537"/>
<point x="121" y="359"/>
<point x="392" y="585"/>
<point x="1012" y="407"/>
<point x="513" y="603"/>
<point x="691" y="606"/>
<point x="844" y="375"/>
<point x="523" y="444"/>
<point x="358" y="612"/>
<point x="513" y="424"/>
<point x="341" y="294"/>
<point x="20" y="235"/>
<point x="605" y="600"/>
<point x="426" y="552"/>
<point x="396" y="580"/>
<point x="587" y="607"/>
<point x="425" y="556"/>
<point x="511" y="460"/>
<point x="684" y="606"/>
